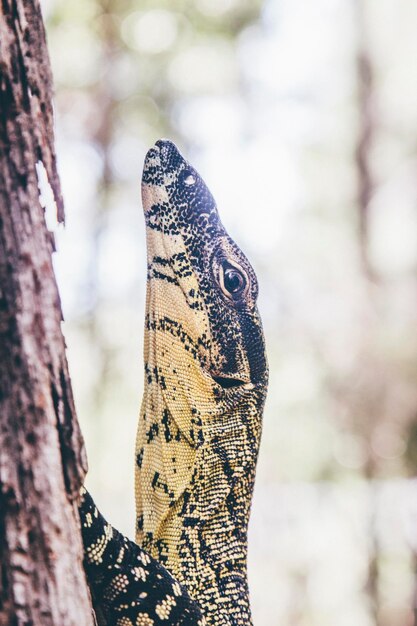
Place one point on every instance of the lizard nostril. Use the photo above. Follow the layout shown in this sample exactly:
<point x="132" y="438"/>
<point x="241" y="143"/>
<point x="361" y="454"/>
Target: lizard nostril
<point x="190" y="180"/>
<point x="187" y="178"/>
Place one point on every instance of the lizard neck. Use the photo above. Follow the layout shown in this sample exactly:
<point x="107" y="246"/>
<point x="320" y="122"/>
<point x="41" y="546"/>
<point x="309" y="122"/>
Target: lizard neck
<point x="203" y="540"/>
<point x="220" y="584"/>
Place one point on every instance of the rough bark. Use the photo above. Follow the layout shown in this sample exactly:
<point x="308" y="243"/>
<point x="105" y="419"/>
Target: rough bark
<point x="42" y="457"/>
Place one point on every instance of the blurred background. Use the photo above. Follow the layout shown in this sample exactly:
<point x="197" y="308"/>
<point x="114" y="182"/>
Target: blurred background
<point x="302" y="118"/>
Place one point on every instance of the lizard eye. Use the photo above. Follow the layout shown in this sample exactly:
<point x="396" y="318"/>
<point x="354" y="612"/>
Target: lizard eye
<point x="233" y="281"/>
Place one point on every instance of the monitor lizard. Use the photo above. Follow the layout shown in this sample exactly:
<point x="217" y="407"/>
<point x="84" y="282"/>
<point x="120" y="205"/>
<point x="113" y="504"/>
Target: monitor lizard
<point x="205" y="385"/>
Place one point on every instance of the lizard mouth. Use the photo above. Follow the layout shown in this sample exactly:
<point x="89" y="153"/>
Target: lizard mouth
<point x="230" y="382"/>
<point x="167" y="172"/>
<point x="159" y="156"/>
<point x="152" y="167"/>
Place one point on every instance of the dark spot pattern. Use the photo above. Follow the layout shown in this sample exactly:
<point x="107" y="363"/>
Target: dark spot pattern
<point x="129" y="586"/>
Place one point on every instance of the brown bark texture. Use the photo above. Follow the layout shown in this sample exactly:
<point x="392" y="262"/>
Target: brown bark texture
<point x="42" y="456"/>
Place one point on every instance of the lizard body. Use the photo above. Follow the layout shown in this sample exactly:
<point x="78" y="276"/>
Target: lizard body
<point x="205" y="385"/>
<point x="200" y="422"/>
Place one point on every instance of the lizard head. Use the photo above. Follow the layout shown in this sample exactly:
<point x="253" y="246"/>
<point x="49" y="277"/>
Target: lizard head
<point x="189" y="247"/>
<point x="204" y="348"/>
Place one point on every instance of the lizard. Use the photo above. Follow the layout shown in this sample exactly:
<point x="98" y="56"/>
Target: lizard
<point x="205" y="382"/>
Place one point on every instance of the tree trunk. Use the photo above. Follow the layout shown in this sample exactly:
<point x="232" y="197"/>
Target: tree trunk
<point x="366" y="131"/>
<point x="42" y="457"/>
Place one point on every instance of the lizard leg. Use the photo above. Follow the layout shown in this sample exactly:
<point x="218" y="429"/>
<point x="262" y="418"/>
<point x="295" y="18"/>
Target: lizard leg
<point x="132" y="587"/>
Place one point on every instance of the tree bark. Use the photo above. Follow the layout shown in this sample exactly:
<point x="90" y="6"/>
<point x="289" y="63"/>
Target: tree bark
<point x="42" y="456"/>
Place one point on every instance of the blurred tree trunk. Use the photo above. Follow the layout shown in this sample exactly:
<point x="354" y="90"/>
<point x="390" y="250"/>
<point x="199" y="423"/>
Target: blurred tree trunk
<point x="366" y="131"/>
<point x="42" y="456"/>
<point x="365" y="137"/>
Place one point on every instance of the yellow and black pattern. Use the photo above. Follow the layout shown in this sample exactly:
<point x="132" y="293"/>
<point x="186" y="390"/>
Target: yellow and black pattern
<point x="205" y="386"/>
<point x="200" y="422"/>
<point x="129" y="587"/>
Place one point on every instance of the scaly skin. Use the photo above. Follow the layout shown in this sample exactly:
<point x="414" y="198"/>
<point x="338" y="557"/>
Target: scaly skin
<point x="128" y="586"/>
<point x="205" y="386"/>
